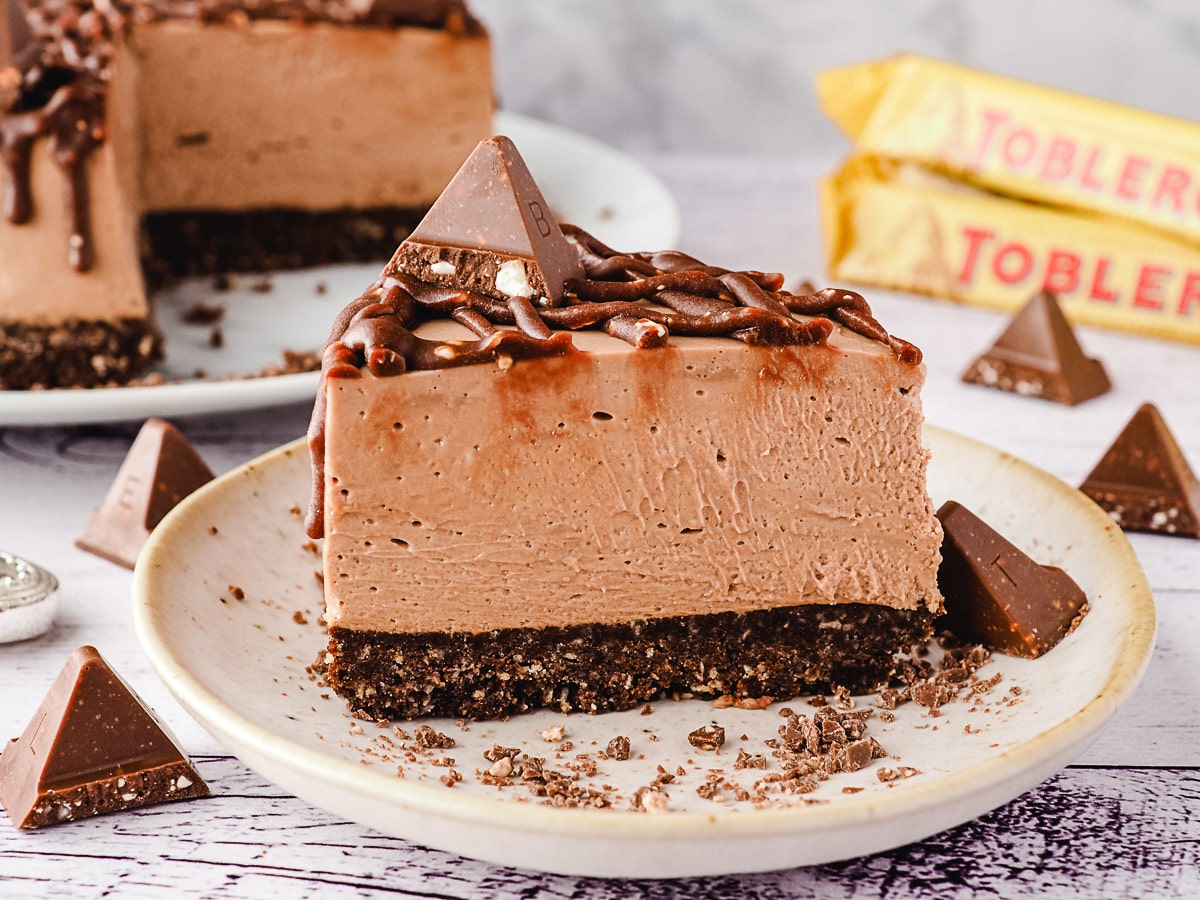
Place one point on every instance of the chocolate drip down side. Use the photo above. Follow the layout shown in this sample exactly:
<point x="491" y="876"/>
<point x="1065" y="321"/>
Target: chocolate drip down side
<point x="641" y="298"/>
<point x="73" y="120"/>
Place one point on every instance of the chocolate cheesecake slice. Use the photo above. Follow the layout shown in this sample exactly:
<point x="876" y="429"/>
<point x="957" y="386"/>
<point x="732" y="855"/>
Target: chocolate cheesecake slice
<point x="655" y="476"/>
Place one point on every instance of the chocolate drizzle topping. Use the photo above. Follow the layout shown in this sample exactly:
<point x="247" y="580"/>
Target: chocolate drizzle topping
<point x="641" y="298"/>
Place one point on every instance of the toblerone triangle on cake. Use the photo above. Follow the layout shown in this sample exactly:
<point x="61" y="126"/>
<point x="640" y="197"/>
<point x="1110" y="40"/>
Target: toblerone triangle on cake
<point x="92" y="747"/>
<point x="641" y="475"/>
<point x="1143" y="480"/>
<point x="1038" y="355"/>
<point x="491" y="230"/>
<point x="160" y="469"/>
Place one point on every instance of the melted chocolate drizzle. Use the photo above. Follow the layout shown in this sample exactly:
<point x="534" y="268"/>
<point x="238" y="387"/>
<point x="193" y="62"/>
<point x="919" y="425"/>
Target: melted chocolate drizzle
<point x="74" y="122"/>
<point x="641" y="298"/>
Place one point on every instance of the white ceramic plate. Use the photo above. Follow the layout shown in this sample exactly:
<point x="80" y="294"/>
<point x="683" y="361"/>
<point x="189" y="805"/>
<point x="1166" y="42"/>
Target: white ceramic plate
<point x="238" y="666"/>
<point x="587" y="183"/>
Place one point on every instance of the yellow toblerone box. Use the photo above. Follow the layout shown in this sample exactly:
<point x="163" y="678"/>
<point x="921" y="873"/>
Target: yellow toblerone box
<point x="899" y="226"/>
<point x="1021" y="139"/>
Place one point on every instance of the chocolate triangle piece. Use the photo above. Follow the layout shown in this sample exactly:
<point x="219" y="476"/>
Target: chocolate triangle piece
<point x="92" y="747"/>
<point x="999" y="597"/>
<point x="18" y="46"/>
<point x="1144" y="481"/>
<point x="160" y="469"/>
<point x="491" y="231"/>
<point x="1039" y="356"/>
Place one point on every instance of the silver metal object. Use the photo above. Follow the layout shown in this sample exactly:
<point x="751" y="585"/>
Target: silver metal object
<point x="28" y="599"/>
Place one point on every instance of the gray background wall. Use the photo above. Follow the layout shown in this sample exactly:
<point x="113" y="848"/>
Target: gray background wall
<point x="736" y="75"/>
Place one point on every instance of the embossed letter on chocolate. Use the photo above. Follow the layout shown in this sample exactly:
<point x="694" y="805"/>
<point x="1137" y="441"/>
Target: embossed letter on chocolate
<point x="996" y="595"/>
<point x="92" y="747"/>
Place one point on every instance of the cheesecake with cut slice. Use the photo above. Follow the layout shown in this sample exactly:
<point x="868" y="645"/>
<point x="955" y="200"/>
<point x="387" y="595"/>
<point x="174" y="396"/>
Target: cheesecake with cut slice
<point x="149" y="139"/>
<point x="549" y="474"/>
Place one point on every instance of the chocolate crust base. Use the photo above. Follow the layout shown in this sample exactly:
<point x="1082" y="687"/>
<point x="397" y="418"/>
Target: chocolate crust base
<point x="595" y="668"/>
<point x="183" y="244"/>
<point x="75" y="353"/>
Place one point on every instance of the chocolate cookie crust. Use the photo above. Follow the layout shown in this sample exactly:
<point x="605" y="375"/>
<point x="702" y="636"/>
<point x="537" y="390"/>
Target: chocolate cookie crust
<point x="75" y="353"/>
<point x="596" y="668"/>
<point x="183" y="244"/>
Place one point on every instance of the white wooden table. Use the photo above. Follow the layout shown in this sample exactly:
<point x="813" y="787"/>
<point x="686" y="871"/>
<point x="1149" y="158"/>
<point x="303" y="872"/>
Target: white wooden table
<point x="1123" y="821"/>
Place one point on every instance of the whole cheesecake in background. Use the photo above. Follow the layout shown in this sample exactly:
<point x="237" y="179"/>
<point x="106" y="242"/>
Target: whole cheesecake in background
<point x="548" y="474"/>
<point x="197" y="136"/>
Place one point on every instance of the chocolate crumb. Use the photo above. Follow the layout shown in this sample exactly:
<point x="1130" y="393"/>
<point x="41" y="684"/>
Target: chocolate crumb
<point x="426" y="738"/>
<point x="707" y="737"/>
<point x="749" y="761"/>
<point x="298" y="618"/>
<point x="885" y="774"/>
<point x="497" y="752"/>
<point x="201" y="313"/>
<point x="618" y="748"/>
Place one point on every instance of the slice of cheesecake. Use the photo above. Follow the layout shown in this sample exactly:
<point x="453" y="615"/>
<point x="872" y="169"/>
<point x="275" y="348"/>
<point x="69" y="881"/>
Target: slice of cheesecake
<point x="652" y="476"/>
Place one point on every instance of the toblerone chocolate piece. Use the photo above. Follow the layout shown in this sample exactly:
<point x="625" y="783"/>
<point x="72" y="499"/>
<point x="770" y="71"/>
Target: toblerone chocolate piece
<point x="902" y="227"/>
<point x="996" y="595"/>
<point x="1144" y="481"/>
<point x="491" y="231"/>
<point x="160" y="469"/>
<point x="92" y="747"/>
<point x="1021" y="139"/>
<point x="1038" y="355"/>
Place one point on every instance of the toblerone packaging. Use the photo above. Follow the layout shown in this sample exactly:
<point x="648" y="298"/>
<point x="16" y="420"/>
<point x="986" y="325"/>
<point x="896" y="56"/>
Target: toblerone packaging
<point x="986" y="189"/>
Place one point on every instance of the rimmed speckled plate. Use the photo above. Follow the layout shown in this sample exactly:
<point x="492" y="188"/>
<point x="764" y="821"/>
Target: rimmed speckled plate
<point x="226" y="606"/>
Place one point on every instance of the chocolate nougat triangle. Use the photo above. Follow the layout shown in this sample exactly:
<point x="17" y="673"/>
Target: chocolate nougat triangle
<point x="491" y="231"/>
<point x="1038" y="355"/>
<point x="161" y="468"/>
<point x="92" y="747"/>
<point x="1143" y="480"/>
<point x="997" y="595"/>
